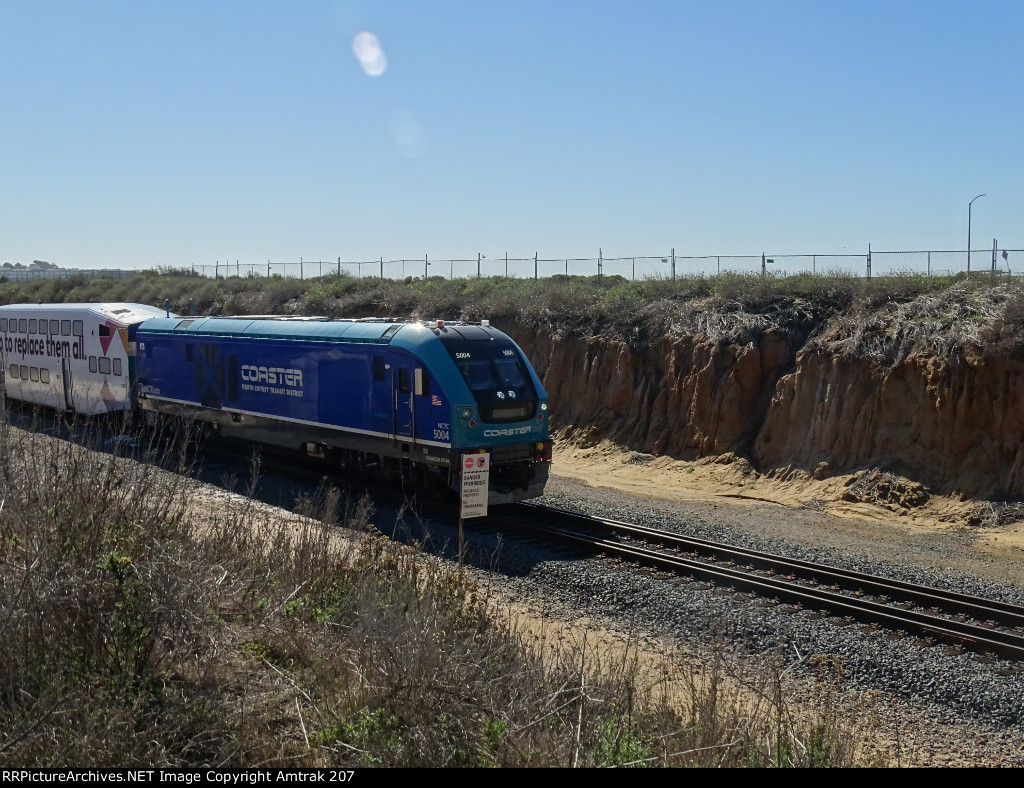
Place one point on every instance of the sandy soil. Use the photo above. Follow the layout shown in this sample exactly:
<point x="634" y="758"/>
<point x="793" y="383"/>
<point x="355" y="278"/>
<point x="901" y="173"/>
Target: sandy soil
<point x="730" y="482"/>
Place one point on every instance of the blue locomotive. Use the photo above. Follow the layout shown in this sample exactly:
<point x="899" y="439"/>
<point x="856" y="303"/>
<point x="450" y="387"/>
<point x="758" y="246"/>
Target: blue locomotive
<point x="399" y="400"/>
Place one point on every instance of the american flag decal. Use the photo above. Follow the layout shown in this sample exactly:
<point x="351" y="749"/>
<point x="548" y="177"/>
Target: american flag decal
<point x="434" y="399"/>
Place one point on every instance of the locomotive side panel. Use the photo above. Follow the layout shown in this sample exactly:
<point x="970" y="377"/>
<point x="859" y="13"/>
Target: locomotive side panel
<point x="289" y="393"/>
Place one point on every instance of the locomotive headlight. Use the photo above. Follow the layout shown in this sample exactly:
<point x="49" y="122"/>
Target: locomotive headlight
<point x="467" y="413"/>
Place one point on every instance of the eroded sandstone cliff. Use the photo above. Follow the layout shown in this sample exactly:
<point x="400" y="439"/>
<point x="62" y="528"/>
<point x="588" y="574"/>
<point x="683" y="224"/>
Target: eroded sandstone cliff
<point x="788" y="400"/>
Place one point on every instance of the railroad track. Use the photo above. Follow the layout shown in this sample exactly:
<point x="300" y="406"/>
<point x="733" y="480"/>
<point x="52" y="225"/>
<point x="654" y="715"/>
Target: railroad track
<point x="986" y="626"/>
<point x="934" y="615"/>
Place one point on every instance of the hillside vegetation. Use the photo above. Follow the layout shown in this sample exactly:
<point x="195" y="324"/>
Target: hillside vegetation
<point x="882" y="318"/>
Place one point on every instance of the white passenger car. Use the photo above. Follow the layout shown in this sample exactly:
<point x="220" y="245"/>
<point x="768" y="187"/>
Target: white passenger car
<point x="71" y="357"/>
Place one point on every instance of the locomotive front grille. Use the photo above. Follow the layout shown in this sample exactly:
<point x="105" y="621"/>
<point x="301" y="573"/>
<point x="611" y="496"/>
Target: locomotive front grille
<point x="511" y="452"/>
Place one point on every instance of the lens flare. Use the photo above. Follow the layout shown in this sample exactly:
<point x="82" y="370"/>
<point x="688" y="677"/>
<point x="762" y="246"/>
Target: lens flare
<point x="371" y="57"/>
<point x="407" y="132"/>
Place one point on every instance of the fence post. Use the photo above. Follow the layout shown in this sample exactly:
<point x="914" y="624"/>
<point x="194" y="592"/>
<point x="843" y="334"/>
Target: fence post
<point x="673" y="265"/>
<point x="382" y="269"/>
<point x="535" y="266"/>
<point x="600" y="264"/>
<point x="814" y="263"/>
<point x="426" y="265"/>
<point x="718" y="259"/>
<point x="994" y="244"/>
<point x="929" y="263"/>
<point x="869" y="261"/>
<point x="216" y="269"/>
<point x="634" y="270"/>
<point x="301" y="269"/>
<point x="506" y="265"/>
<point x="478" y="265"/>
<point x="764" y="270"/>
<point x="339" y="269"/>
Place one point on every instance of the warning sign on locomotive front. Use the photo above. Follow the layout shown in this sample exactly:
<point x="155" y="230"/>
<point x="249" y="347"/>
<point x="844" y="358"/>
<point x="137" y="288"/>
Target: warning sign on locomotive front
<point x="476" y="472"/>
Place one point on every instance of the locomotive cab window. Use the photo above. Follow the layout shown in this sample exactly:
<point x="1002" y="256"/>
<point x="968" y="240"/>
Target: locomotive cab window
<point x="497" y="377"/>
<point x="104" y="330"/>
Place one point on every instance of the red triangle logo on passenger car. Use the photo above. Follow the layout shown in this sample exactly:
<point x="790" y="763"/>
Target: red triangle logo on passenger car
<point x="105" y="341"/>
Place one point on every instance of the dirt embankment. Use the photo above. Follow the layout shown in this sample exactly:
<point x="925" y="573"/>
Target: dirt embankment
<point x="921" y="425"/>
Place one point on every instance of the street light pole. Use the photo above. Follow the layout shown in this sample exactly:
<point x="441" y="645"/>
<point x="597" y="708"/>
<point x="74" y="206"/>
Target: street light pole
<point x="969" y="233"/>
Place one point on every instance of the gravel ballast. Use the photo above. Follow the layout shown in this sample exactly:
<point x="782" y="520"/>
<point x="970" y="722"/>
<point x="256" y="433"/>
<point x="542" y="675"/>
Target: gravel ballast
<point x="953" y="708"/>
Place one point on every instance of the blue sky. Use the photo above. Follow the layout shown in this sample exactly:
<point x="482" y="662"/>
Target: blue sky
<point x="136" y="134"/>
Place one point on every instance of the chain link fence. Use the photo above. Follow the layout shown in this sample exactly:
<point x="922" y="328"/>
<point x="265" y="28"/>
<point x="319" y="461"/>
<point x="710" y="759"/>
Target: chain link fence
<point x="1005" y="262"/>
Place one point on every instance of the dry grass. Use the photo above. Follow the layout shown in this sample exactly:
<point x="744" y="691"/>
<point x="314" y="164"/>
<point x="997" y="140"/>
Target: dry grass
<point x="147" y="621"/>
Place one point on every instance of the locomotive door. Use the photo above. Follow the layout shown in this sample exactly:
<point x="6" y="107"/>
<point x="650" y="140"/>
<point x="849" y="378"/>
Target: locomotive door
<point x="403" y="426"/>
<point x="65" y="375"/>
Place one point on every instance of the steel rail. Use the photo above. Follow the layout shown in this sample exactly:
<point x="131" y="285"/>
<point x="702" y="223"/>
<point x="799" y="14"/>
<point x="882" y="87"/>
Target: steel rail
<point x="926" y="625"/>
<point x="980" y="608"/>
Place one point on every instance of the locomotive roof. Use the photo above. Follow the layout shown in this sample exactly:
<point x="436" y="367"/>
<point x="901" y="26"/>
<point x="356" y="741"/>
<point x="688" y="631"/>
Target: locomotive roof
<point x="372" y="330"/>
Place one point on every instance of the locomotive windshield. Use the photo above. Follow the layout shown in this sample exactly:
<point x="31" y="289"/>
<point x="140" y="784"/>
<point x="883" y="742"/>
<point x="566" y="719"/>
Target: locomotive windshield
<point x="497" y="376"/>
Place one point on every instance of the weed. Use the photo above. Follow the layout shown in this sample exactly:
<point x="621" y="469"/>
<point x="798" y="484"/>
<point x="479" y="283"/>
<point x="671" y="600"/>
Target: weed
<point x="146" y="620"/>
